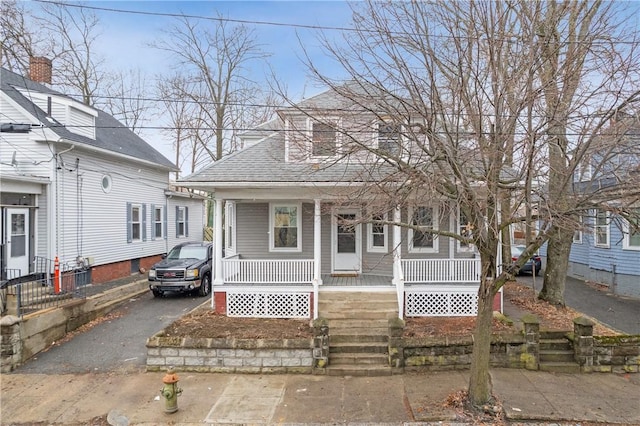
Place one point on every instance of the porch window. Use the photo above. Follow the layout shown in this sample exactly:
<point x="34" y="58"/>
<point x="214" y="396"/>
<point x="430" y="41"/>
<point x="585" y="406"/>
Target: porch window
<point x="158" y="227"/>
<point x="136" y="222"/>
<point x="324" y="140"/>
<point x="377" y="234"/>
<point x="229" y="222"/>
<point x="285" y="227"/>
<point x="389" y="138"/>
<point x="465" y="229"/>
<point x="182" y="221"/>
<point x="602" y="229"/>
<point x="632" y="231"/>
<point x="422" y="239"/>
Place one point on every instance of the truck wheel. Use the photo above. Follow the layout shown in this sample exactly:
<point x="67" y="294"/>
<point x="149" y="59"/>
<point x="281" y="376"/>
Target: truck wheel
<point x="205" y="286"/>
<point x="156" y="293"/>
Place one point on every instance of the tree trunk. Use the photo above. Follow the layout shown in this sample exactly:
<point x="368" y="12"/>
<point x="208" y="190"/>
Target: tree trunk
<point x="555" y="273"/>
<point x="480" y="387"/>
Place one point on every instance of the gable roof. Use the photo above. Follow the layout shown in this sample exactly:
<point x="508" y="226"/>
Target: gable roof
<point x="111" y="135"/>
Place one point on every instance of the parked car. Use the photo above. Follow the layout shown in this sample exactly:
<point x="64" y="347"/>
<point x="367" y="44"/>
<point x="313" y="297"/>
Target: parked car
<point x="516" y="251"/>
<point x="186" y="269"/>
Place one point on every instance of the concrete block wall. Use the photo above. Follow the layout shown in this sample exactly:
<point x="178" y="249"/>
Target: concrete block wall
<point x="229" y="355"/>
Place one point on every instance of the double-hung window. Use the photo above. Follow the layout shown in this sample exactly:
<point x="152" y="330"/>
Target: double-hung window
<point x="136" y="222"/>
<point x="424" y="221"/>
<point x="182" y="221"/>
<point x="389" y="139"/>
<point x="158" y="222"/>
<point x="377" y="234"/>
<point x="601" y="228"/>
<point x="285" y="223"/>
<point x="229" y="222"/>
<point x="577" y="234"/>
<point x="631" y="239"/>
<point x="324" y="140"/>
<point x="465" y="229"/>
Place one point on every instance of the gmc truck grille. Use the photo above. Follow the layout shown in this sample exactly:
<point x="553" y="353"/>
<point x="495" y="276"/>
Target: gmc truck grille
<point x="170" y="274"/>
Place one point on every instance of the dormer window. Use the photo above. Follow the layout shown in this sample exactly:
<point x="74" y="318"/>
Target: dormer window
<point x="389" y="138"/>
<point x="324" y="140"/>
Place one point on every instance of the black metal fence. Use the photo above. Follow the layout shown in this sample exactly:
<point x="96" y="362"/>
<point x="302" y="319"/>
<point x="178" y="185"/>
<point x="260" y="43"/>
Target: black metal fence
<point x="41" y="290"/>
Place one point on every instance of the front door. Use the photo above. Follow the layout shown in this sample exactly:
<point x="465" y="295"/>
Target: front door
<point x="346" y="241"/>
<point x="17" y="229"/>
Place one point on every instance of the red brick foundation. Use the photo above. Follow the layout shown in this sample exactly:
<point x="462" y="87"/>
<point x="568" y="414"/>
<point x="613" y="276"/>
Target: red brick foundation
<point x="113" y="271"/>
<point x="220" y="301"/>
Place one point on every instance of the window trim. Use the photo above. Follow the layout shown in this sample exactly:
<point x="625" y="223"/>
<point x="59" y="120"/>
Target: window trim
<point x="385" y="235"/>
<point x="626" y="240"/>
<point x="606" y="226"/>
<point x="578" y="232"/>
<point x="436" y="218"/>
<point x="335" y="122"/>
<point x="401" y="140"/>
<point x="272" y="247"/>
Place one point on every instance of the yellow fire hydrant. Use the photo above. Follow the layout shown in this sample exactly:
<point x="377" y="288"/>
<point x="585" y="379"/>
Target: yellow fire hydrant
<point x="170" y="391"/>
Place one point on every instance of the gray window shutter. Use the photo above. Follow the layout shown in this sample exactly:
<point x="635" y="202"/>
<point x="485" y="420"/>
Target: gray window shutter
<point x="129" y="239"/>
<point x="164" y="224"/>
<point x="153" y="221"/>
<point x="144" y="222"/>
<point x="186" y="221"/>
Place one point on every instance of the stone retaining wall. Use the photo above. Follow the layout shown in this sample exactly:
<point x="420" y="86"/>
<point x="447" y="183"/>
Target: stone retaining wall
<point x="229" y="355"/>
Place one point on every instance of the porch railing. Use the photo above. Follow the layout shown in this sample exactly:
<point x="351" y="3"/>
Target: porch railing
<point x="441" y="270"/>
<point x="263" y="271"/>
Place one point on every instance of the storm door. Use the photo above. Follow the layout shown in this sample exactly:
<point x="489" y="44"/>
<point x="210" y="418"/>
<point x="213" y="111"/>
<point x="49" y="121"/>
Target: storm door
<point x="346" y="241"/>
<point x="17" y="228"/>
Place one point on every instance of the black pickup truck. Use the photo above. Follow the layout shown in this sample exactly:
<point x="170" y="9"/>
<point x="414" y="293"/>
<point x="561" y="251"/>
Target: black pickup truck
<point x="187" y="268"/>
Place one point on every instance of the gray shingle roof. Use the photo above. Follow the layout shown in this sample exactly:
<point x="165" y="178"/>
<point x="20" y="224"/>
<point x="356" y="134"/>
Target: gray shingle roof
<point x="264" y="162"/>
<point x="111" y="135"/>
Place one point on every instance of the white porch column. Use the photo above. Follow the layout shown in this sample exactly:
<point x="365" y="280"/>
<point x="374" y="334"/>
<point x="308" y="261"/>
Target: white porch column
<point x="317" y="256"/>
<point x="397" y="241"/>
<point x="317" y="243"/>
<point x="218" y="279"/>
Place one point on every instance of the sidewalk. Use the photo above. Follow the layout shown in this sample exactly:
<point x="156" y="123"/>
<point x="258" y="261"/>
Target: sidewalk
<point x="305" y="399"/>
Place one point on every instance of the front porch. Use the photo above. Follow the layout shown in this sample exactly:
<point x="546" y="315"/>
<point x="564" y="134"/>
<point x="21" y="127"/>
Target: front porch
<point x="289" y="289"/>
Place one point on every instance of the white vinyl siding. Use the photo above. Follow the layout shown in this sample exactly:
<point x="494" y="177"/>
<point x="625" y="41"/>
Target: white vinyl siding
<point x="81" y="123"/>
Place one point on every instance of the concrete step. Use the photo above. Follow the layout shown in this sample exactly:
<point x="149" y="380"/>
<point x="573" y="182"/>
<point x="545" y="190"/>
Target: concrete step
<point x="356" y="296"/>
<point x="358" y="347"/>
<point x="365" y="337"/>
<point x="553" y="334"/>
<point x="556" y="356"/>
<point x="346" y="323"/>
<point x="560" y="367"/>
<point x="555" y="345"/>
<point x="348" y="313"/>
<point x="350" y="359"/>
<point x="358" y="370"/>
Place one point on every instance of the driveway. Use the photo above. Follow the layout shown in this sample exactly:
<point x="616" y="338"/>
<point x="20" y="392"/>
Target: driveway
<point x="116" y="344"/>
<point x="618" y="312"/>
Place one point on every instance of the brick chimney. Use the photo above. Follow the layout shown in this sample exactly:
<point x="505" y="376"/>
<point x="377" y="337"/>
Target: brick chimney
<point x="40" y="69"/>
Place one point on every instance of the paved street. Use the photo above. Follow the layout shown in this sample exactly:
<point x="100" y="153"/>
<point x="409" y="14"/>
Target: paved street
<point x="620" y="313"/>
<point x="117" y="344"/>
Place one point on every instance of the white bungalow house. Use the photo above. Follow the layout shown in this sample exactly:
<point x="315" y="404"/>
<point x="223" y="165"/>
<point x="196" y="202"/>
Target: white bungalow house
<point x="295" y="232"/>
<point x="78" y="185"/>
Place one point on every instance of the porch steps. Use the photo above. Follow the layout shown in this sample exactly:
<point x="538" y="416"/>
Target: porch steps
<point x="358" y="332"/>
<point x="556" y="353"/>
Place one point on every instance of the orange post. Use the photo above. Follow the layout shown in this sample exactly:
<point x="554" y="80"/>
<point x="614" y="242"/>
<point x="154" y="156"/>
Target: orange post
<point x="56" y="275"/>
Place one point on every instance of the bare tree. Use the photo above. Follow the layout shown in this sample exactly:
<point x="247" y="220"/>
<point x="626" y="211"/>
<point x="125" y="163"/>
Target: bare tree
<point x="19" y="39"/>
<point x="461" y="82"/>
<point x="213" y="62"/>
<point x="586" y="55"/>
<point x="74" y="31"/>
<point x="127" y="98"/>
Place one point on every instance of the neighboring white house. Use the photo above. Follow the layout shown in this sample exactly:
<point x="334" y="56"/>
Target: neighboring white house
<point x="78" y="185"/>
<point x="293" y="232"/>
